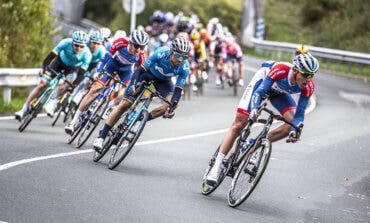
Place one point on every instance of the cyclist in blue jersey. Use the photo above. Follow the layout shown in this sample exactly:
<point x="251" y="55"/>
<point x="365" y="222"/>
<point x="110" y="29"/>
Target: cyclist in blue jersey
<point x="71" y="56"/>
<point x="160" y="67"/>
<point x="277" y="80"/>
<point x="98" y="51"/>
<point x="121" y="58"/>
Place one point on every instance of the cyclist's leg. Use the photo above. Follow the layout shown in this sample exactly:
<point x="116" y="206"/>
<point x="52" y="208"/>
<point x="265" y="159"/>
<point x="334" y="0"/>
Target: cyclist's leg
<point x="286" y="105"/>
<point x="240" y="121"/>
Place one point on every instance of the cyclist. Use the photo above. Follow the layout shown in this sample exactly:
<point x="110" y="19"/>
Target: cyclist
<point x="107" y="34"/>
<point x="123" y="55"/>
<point x="71" y="56"/>
<point x="98" y="52"/>
<point x="277" y="80"/>
<point x="160" y="67"/>
<point x="218" y="53"/>
<point x="199" y="59"/>
<point x="234" y="51"/>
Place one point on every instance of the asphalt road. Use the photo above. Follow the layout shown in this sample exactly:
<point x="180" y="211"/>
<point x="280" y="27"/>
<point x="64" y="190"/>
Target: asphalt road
<point x="323" y="178"/>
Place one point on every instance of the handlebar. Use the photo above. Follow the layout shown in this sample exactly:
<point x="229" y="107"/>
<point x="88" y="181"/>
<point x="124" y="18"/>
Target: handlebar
<point x="115" y="79"/>
<point x="262" y="107"/>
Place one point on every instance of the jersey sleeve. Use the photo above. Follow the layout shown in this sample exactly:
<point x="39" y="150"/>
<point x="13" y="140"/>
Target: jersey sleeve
<point x="279" y="71"/>
<point x="181" y="79"/>
<point x="300" y="111"/>
<point x="260" y="92"/>
<point x="118" y="44"/>
<point x="62" y="45"/>
<point x="141" y="59"/>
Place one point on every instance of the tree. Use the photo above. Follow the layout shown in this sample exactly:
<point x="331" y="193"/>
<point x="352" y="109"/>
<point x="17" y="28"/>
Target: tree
<point x="26" y="31"/>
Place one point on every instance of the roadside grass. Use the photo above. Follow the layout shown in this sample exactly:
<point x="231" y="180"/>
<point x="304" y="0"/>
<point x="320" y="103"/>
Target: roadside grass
<point x="19" y="95"/>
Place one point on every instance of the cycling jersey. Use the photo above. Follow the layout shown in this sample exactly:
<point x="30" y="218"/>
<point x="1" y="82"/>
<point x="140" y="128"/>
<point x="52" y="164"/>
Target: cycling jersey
<point x="273" y="80"/>
<point x="98" y="54"/>
<point x="159" y="65"/>
<point x="233" y="51"/>
<point x="199" y="50"/>
<point x="68" y="56"/>
<point x="119" y="60"/>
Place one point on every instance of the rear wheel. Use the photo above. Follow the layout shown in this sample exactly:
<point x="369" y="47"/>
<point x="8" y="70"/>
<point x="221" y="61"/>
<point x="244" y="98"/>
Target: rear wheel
<point x="128" y="140"/>
<point x="59" y="111"/>
<point x="249" y="173"/>
<point x="26" y="120"/>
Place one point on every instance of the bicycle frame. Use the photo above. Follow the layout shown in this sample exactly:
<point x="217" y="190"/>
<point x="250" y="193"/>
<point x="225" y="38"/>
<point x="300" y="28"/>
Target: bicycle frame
<point x="53" y="84"/>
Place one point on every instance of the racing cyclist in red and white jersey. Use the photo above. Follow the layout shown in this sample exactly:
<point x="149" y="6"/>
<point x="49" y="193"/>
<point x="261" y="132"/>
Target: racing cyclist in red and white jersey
<point x="277" y="80"/>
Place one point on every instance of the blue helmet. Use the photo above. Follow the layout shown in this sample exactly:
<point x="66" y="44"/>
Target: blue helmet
<point x="307" y="63"/>
<point x="80" y="37"/>
<point x="96" y="36"/>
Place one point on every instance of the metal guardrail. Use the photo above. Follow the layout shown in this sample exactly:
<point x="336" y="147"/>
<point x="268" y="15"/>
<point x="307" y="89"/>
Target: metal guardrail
<point x="361" y="59"/>
<point x="12" y="77"/>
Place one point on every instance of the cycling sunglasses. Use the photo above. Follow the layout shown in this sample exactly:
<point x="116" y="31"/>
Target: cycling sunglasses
<point x="137" y="46"/>
<point x="180" y="56"/>
<point x="307" y="75"/>
<point x="78" y="45"/>
<point x="95" y="43"/>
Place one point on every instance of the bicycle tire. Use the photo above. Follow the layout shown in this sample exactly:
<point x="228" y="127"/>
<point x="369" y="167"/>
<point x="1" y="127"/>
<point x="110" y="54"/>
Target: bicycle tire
<point x="113" y="163"/>
<point x="97" y="116"/>
<point x="26" y="120"/>
<point x="208" y="189"/>
<point x="33" y="113"/>
<point x="60" y="110"/>
<point x="232" y="201"/>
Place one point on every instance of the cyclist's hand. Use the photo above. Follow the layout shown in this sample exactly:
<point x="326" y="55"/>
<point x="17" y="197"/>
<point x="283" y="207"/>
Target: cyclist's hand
<point x="170" y="112"/>
<point x="292" y="137"/>
<point x="253" y="115"/>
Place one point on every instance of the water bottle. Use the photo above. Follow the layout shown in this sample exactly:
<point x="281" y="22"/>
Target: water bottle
<point x="246" y="145"/>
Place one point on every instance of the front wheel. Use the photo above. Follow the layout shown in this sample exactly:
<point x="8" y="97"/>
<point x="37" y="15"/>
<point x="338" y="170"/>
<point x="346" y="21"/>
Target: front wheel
<point x="249" y="173"/>
<point x="128" y="139"/>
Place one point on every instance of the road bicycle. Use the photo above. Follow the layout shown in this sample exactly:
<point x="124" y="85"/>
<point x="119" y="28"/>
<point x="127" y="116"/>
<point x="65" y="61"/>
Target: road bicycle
<point x="127" y="132"/>
<point x="248" y="161"/>
<point x="92" y="116"/>
<point x="41" y="101"/>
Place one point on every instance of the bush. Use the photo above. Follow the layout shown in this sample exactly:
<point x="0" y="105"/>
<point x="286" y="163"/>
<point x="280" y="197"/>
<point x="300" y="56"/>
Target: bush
<point x="25" y="32"/>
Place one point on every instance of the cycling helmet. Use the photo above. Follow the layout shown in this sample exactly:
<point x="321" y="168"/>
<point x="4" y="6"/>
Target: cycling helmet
<point x="163" y="37"/>
<point x="80" y="37"/>
<point x="180" y="45"/>
<point x="119" y="34"/>
<point x="301" y="49"/>
<point x="106" y="32"/>
<point x="184" y="35"/>
<point x="96" y="36"/>
<point x="139" y="37"/>
<point x="306" y="63"/>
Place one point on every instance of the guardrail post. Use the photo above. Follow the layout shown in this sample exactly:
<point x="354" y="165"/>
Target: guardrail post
<point x="360" y="68"/>
<point x="7" y="95"/>
<point x="349" y="67"/>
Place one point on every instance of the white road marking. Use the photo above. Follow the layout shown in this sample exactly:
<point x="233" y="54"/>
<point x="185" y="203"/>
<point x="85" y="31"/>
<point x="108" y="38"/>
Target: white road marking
<point x="355" y="97"/>
<point x="53" y="156"/>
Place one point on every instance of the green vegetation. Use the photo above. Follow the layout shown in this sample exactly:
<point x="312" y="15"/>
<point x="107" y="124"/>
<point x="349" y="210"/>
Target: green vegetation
<point x="25" y="32"/>
<point x="19" y="95"/>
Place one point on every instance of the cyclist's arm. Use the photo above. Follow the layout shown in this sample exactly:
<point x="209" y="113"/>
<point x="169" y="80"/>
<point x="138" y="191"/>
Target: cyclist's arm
<point x="260" y="92"/>
<point x="48" y="59"/>
<point x="180" y="83"/>
<point x="300" y="111"/>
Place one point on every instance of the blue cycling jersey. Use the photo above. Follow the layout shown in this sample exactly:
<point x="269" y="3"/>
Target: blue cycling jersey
<point x="159" y="65"/>
<point x="65" y="50"/>
<point x="98" y="54"/>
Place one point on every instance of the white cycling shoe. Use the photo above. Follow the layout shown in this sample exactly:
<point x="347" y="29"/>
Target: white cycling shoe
<point x="50" y="107"/>
<point x="241" y="82"/>
<point x="19" y="115"/>
<point x="98" y="143"/>
<point x="212" y="177"/>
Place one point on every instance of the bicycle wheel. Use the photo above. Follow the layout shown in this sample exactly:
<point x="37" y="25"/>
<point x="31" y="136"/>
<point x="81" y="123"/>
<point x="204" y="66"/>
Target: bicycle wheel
<point x="92" y="123"/>
<point x="33" y="113"/>
<point x="59" y="111"/>
<point x="235" y="82"/>
<point x="26" y="120"/>
<point x="69" y="111"/>
<point x="249" y="173"/>
<point x="226" y="166"/>
<point x="128" y="140"/>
